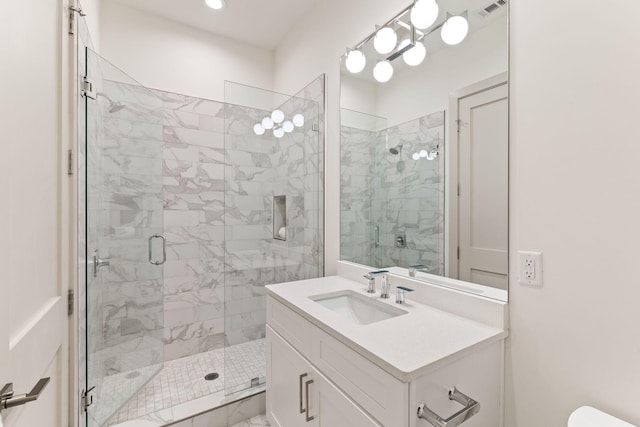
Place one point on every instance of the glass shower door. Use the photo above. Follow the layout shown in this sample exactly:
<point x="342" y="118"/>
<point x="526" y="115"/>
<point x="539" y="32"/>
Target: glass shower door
<point x="124" y="243"/>
<point x="273" y="213"/>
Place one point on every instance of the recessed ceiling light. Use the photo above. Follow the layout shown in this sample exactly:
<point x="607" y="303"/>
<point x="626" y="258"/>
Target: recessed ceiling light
<point x="216" y="4"/>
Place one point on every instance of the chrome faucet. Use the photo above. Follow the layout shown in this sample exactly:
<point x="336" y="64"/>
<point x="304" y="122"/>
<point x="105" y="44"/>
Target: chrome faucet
<point x="371" y="277"/>
<point x="418" y="267"/>
<point x="384" y="290"/>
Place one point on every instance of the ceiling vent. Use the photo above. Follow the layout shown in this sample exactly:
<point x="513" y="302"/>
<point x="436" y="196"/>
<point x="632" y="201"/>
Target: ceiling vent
<point x="491" y="8"/>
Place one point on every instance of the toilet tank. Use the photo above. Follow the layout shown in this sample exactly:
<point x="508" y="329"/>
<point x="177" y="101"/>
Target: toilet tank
<point x="587" y="416"/>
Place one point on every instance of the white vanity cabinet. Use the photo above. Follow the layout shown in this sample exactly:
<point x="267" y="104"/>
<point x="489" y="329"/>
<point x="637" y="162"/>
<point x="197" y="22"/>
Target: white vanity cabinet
<point x="318" y="375"/>
<point x="299" y="395"/>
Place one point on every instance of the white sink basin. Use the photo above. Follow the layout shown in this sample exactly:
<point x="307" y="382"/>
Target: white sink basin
<point x="356" y="307"/>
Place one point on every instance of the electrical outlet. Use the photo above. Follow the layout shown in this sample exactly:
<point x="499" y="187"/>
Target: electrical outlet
<point x="530" y="268"/>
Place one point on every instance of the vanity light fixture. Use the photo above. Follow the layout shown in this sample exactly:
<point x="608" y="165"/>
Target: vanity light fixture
<point x="383" y="71"/>
<point x="414" y="55"/>
<point x="385" y="40"/>
<point x="298" y="120"/>
<point x="355" y="61"/>
<point x="216" y="4"/>
<point x="277" y="116"/>
<point x="276" y="121"/>
<point x="267" y="123"/>
<point x="414" y="23"/>
<point x="455" y="29"/>
<point x="424" y="13"/>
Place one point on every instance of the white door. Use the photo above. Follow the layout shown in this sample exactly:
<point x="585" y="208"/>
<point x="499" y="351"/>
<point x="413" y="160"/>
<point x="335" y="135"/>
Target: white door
<point x="483" y="177"/>
<point x="34" y="255"/>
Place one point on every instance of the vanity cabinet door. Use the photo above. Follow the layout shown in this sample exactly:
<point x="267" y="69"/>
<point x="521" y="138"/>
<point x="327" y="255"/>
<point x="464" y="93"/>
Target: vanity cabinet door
<point x="336" y="409"/>
<point x="294" y="384"/>
<point x="287" y="373"/>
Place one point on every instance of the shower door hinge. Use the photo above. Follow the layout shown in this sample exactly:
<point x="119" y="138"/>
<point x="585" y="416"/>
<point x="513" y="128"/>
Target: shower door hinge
<point x="458" y="189"/>
<point x="70" y="302"/>
<point x="88" y="88"/>
<point x="315" y="127"/>
<point x="72" y="17"/>
<point x="88" y="398"/>
<point x="70" y="162"/>
<point x="458" y="252"/>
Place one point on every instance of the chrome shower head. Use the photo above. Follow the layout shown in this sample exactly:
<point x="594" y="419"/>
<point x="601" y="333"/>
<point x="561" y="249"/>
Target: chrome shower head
<point x="396" y="150"/>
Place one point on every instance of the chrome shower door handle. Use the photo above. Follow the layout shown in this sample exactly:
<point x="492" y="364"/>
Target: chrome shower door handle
<point x="471" y="407"/>
<point x="99" y="262"/>
<point x="164" y="249"/>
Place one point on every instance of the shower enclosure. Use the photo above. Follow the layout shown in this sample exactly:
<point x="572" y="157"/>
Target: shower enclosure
<point x="185" y="215"/>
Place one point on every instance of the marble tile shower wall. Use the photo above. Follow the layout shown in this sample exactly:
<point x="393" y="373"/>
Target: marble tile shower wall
<point x="194" y="186"/>
<point x="259" y="168"/>
<point x="357" y="231"/>
<point x="131" y="147"/>
<point x="410" y="195"/>
<point x="215" y="206"/>
<point x="395" y="193"/>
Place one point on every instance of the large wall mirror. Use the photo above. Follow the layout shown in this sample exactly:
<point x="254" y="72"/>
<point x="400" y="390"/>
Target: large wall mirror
<point x="424" y="146"/>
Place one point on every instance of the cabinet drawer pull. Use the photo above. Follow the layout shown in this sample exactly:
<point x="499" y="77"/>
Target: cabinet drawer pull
<point x="471" y="407"/>
<point x="300" y="380"/>
<point x="306" y="388"/>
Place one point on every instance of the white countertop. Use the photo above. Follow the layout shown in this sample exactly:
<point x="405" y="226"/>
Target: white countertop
<point x="406" y="346"/>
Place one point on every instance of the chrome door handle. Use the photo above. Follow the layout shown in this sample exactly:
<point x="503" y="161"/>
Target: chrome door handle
<point x="8" y="400"/>
<point x="471" y="407"/>
<point x="306" y="389"/>
<point x="99" y="262"/>
<point x="164" y="249"/>
<point x="300" y="381"/>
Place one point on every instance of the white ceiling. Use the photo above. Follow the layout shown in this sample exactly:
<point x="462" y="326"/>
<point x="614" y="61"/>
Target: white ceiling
<point x="262" y="23"/>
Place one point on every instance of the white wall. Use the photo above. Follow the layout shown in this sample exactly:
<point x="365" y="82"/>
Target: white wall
<point x="574" y="192"/>
<point x="92" y="19"/>
<point x="166" y="55"/>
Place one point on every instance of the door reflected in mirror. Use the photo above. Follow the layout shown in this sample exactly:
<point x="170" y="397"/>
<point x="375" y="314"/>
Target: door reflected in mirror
<point x="424" y="155"/>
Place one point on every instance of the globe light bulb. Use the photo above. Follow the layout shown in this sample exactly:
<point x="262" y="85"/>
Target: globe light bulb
<point x="267" y="123"/>
<point x="355" y="61"/>
<point x="415" y="55"/>
<point x="298" y="120"/>
<point x="385" y="40"/>
<point x="423" y="153"/>
<point x="454" y="30"/>
<point x="258" y="129"/>
<point x="424" y="13"/>
<point x="383" y="71"/>
<point x="278" y="132"/>
<point x="216" y="4"/>
<point x="287" y="126"/>
<point x="277" y="116"/>
<point x="416" y="156"/>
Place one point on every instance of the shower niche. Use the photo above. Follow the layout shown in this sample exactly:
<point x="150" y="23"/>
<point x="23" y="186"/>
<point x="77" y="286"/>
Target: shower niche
<point x="280" y="217"/>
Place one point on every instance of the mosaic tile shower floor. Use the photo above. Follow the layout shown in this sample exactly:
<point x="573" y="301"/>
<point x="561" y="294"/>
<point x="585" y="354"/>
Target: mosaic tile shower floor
<point x="182" y="380"/>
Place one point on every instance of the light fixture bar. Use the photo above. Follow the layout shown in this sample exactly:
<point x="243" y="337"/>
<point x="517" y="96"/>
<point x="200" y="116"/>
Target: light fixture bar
<point x="389" y="22"/>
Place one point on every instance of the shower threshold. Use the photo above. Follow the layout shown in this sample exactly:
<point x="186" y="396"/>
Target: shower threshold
<point x="180" y="391"/>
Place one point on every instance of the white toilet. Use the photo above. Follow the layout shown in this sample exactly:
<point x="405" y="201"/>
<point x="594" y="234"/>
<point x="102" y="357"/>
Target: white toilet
<point x="587" y="416"/>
